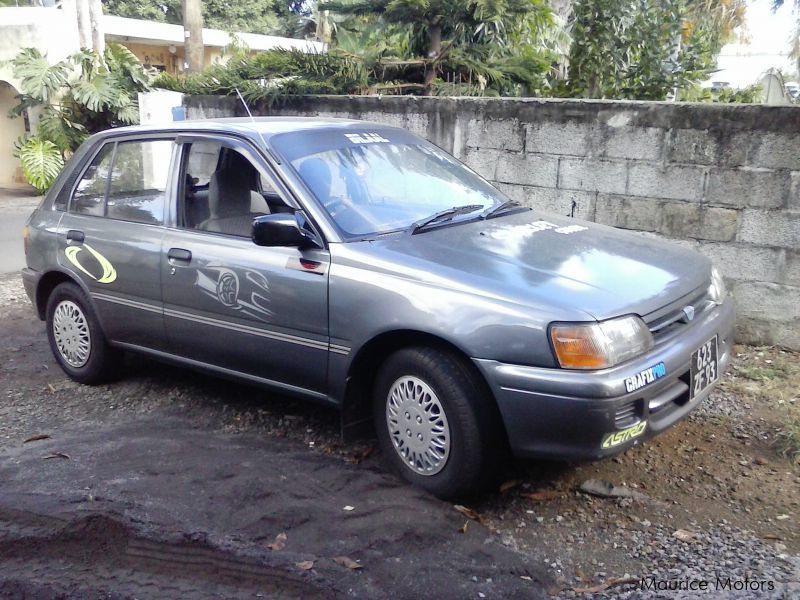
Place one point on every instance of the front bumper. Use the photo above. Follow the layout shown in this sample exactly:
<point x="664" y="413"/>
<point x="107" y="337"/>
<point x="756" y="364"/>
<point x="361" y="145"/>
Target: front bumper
<point x="566" y="414"/>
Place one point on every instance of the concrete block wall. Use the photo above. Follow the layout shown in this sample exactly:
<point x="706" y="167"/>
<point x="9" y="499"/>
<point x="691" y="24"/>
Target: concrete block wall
<point x="722" y="179"/>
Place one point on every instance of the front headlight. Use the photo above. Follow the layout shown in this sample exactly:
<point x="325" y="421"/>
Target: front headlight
<point x="717" y="291"/>
<point x="600" y="345"/>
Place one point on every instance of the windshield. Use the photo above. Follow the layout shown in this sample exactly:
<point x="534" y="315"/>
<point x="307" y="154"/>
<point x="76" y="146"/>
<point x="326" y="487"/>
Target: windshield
<point x="383" y="180"/>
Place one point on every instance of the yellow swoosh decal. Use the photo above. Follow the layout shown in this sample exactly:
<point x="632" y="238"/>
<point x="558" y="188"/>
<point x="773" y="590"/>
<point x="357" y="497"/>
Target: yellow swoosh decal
<point x="109" y="272"/>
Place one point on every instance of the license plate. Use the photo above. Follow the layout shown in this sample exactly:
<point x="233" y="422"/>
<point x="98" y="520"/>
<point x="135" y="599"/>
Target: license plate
<point x="703" y="369"/>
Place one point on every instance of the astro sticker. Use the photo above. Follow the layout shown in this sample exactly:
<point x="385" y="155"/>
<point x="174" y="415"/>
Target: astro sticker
<point x="109" y="274"/>
<point x="366" y="138"/>
<point x="646" y="377"/>
<point x="620" y="437"/>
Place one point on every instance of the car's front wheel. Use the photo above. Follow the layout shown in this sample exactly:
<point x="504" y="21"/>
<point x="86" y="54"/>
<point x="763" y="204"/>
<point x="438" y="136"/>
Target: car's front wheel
<point x="435" y="422"/>
<point x="77" y="341"/>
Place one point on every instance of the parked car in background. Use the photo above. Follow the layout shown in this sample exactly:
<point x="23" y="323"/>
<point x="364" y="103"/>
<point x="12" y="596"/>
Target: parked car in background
<point x="359" y="266"/>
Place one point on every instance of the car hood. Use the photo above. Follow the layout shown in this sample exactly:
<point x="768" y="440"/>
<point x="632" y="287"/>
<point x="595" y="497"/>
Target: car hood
<point x="544" y="260"/>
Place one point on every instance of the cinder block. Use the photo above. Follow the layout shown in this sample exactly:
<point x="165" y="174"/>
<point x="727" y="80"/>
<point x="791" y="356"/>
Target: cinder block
<point x="791" y="271"/>
<point x="642" y="143"/>
<point x="794" y="194"/>
<point x="764" y="331"/>
<point x="628" y="213"/>
<point x="776" y="151"/>
<point x="558" y="138"/>
<point x="745" y="263"/>
<point x="483" y="162"/>
<point x="528" y="169"/>
<point x="559" y="202"/>
<point x="385" y="118"/>
<point x="769" y="301"/>
<point x="491" y="133"/>
<point x="676" y="182"/>
<point x="685" y="220"/>
<point x="692" y="146"/>
<point x="592" y="175"/>
<point x="770" y="228"/>
<point x="417" y="123"/>
<point x="513" y="191"/>
<point x="748" y="187"/>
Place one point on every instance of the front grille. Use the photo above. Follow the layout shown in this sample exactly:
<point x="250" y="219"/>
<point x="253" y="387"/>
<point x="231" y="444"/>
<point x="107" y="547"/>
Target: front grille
<point x="667" y="320"/>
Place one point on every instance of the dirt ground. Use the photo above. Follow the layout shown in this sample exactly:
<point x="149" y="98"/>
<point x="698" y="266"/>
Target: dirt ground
<point x="172" y="484"/>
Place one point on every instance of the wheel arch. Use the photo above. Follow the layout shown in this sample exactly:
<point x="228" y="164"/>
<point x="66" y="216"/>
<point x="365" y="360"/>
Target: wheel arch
<point x="45" y="287"/>
<point x="356" y="407"/>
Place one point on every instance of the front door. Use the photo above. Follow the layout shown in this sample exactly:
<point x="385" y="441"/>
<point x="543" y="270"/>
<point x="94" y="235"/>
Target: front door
<point x="110" y="237"/>
<point x="260" y="311"/>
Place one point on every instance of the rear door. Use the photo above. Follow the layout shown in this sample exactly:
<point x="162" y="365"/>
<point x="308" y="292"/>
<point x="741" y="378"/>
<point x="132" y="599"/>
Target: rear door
<point x="110" y="237"/>
<point x="260" y="311"/>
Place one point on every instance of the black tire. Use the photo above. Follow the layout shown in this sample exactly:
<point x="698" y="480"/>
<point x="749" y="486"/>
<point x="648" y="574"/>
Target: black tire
<point x="101" y="362"/>
<point x="470" y="412"/>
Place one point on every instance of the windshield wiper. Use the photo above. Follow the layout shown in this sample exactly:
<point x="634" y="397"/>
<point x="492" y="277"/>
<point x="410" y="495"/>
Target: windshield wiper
<point x="444" y="215"/>
<point x="497" y="209"/>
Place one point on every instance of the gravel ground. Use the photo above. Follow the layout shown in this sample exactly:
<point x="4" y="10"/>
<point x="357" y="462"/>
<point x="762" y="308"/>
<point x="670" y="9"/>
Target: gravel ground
<point x="718" y="500"/>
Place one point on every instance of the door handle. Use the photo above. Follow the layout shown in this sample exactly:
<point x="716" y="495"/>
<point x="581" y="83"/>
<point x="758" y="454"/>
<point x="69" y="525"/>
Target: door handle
<point x="73" y="235"/>
<point x="179" y="255"/>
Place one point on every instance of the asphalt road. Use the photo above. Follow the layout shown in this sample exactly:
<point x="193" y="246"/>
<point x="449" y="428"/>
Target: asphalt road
<point x="16" y="206"/>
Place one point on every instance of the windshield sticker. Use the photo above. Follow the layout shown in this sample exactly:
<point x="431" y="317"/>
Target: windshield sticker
<point x="109" y="274"/>
<point x="611" y="440"/>
<point x="366" y="138"/>
<point x="646" y="377"/>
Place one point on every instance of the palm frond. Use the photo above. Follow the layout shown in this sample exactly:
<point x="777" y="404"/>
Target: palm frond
<point x="41" y="162"/>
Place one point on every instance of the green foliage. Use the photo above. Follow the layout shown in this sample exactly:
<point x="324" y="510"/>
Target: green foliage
<point x="41" y="162"/>
<point x="81" y="95"/>
<point x="753" y="94"/>
<point x="645" y="49"/>
<point x="253" y="16"/>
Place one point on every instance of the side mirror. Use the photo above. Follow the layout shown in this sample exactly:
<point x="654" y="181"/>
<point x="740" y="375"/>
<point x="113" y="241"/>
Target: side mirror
<point x="283" y="229"/>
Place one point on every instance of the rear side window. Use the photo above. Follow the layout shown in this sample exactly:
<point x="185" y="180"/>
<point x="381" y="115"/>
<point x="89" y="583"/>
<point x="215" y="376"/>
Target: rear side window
<point x="126" y="181"/>
<point x="139" y="181"/>
<point x="89" y="196"/>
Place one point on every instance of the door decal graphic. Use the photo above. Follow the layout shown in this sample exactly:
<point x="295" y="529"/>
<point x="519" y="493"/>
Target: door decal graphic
<point x="109" y="274"/>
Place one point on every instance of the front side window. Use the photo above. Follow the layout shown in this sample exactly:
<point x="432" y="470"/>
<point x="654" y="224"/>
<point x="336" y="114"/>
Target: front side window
<point x="224" y="191"/>
<point x="377" y="182"/>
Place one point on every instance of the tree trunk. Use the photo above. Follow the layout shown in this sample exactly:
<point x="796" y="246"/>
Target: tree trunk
<point x="96" y="22"/>
<point x="84" y="23"/>
<point x="193" y="35"/>
<point x="434" y="50"/>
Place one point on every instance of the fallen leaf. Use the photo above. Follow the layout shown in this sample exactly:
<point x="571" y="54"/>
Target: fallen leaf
<point x="463" y="528"/>
<point x="772" y="536"/>
<point x="684" y="535"/>
<point x="509" y="485"/>
<point x="543" y="495"/>
<point x="279" y="543"/>
<point x="305" y="565"/>
<point x="56" y="455"/>
<point x="467" y="512"/>
<point x="348" y="508"/>
<point x="608" y="583"/>
<point x="346" y="562"/>
<point x="36" y="438"/>
<point x="51" y="388"/>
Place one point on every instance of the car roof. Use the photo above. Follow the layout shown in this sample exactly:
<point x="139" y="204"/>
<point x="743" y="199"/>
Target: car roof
<point x="251" y="127"/>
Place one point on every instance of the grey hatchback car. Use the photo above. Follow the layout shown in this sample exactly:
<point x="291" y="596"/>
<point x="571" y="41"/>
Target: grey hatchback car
<point x="360" y="266"/>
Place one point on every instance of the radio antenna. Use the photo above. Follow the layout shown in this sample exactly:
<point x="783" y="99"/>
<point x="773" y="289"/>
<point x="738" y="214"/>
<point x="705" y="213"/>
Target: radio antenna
<point x="258" y="131"/>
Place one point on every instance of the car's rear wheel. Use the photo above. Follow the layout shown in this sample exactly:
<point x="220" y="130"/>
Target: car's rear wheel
<point x="76" y="339"/>
<point x="435" y="422"/>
